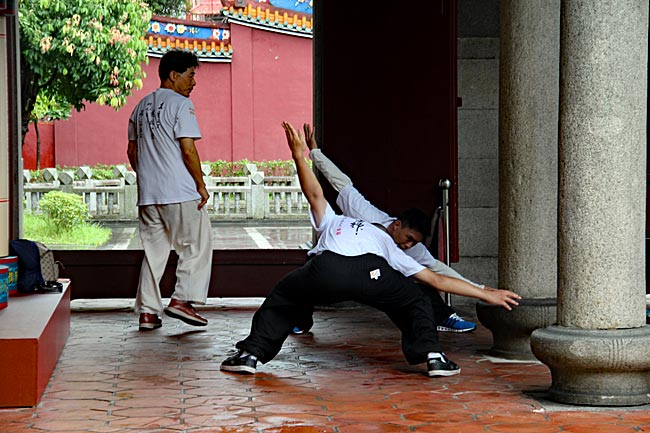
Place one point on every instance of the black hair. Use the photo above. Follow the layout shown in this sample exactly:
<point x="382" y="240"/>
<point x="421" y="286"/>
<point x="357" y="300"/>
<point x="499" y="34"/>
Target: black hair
<point x="177" y="61"/>
<point x="416" y="220"/>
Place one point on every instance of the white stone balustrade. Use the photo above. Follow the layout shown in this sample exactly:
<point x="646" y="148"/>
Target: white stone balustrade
<point x="253" y="196"/>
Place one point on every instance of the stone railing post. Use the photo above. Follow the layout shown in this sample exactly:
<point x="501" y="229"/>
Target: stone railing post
<point x="50" y="174"/>
<point x="130" y="196"/>
<point x="67" y="181"/>
<point x="257" y="196"/>
<point x="84" y="172"/>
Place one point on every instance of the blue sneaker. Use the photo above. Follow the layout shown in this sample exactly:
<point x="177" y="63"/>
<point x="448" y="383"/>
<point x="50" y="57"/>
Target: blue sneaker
<point x="297" y="331"/>
<point x="455" y="323"/>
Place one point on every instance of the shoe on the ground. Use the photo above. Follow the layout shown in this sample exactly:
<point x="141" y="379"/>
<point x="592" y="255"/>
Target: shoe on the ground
<point x="185" y="311"/>
<point x="297" y="330"/>
<point x="149" y="322"/>
<point x="240" y="362"/>
<point x="455" y="323"/>
<point x="441" y="366"/>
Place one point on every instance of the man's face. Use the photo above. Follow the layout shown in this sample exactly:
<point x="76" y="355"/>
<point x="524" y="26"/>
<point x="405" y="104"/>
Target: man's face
<point x="184" y="83"/>
<point x="405" y="237"/>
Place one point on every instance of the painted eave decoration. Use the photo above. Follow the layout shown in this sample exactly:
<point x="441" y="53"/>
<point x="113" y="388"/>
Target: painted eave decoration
<point x="209" y="41"/>
<point x="292" y="17"/>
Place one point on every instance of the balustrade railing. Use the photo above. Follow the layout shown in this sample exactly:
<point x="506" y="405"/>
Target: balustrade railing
<point x="251" y="196"/>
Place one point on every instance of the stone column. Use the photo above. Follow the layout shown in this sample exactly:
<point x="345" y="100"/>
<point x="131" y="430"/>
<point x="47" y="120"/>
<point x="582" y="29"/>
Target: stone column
<point x="528" y="113"/>
<point x="599" y="351"/>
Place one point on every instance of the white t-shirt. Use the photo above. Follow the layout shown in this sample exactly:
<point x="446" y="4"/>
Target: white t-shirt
<point x="354" y="237"/>
<point x="354" y="204"/>
<point x="157" y="123"/>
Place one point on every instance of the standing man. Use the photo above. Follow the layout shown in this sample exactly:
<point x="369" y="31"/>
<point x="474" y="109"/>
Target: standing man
<point x="171" y="194"/>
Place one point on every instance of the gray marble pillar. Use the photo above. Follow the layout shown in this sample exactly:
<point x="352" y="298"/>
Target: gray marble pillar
<point x="528" y="116"/>
<point x="599" y="351"/>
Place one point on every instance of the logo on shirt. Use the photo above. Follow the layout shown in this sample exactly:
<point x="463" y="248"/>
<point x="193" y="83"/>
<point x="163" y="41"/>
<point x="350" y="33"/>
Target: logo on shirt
<point x="357" y="225"/>
<point x="374" y="275"/>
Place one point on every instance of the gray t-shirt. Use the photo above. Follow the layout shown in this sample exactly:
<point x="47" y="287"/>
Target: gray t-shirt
<point x="157" y="123"/>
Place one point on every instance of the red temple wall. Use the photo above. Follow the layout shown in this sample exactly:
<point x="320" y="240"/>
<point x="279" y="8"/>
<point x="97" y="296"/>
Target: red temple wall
<point x="239" y="106"/>
<point x="46" y="132"/>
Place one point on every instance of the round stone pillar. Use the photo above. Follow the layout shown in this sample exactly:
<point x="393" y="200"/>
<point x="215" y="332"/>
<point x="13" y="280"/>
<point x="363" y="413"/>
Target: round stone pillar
<point x="598" y="352"/>
<point x="528" y="116"/>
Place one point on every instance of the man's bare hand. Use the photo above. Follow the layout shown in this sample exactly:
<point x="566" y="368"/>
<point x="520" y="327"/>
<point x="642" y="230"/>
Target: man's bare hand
<point x="295" y="140"/>
<point x="204" y="197"/>
<point x="504" y="298"/>
<point x="309" y="136"/>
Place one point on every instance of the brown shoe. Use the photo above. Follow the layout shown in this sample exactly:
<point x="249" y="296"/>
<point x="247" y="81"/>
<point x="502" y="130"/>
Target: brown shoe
<point x="185" y="311"/>
<point x="149" y="322"/>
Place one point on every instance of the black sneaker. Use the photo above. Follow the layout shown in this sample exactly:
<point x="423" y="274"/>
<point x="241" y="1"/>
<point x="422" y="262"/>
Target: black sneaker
<point x="240" y="363"/>
<point x="442" y="366"/>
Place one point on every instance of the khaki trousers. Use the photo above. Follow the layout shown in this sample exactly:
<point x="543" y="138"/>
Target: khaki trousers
<point x="186" y="229"/>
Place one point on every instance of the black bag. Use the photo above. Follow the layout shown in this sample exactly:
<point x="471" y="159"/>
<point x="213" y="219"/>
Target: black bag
<point x="29" y="265"/>
<point x="30" y="270"/>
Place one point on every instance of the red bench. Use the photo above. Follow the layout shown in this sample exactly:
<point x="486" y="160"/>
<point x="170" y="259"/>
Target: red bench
<point x="33" y="332"/>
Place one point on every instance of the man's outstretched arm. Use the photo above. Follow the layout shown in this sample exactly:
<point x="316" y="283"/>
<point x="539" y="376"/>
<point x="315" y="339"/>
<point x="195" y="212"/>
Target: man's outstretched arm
<point x="504" y="298"/>
<point x="308" y="182"/>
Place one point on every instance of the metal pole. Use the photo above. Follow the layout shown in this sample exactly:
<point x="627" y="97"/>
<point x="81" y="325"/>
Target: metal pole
<point x="445" y="184"/>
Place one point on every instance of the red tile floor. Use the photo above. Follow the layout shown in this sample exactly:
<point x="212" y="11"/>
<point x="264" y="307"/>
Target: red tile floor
<point x="347" y="377"/>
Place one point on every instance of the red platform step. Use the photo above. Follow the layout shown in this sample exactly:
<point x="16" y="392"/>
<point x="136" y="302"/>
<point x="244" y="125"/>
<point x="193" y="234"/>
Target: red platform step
<point x="33" y="332"/>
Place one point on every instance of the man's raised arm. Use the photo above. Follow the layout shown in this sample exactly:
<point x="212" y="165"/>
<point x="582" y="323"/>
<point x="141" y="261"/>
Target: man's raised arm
<point x="308" y="182"/>
<point x="328" y="169"/>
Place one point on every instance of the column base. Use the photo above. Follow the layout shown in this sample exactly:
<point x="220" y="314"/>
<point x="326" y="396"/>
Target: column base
<point x="511" y="329"/>
<point x="596" y="367"/>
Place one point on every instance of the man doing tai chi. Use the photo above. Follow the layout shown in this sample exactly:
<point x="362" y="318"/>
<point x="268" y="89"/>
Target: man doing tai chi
<point x="408" y="230"/>
<point x="353" y="261"/>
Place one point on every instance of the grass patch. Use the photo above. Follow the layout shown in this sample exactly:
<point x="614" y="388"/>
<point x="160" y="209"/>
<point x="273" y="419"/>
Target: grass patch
<point x="38" y="228"/>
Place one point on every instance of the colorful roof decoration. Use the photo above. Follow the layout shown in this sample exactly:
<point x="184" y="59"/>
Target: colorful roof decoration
<point x="209" y="41"/>
<point x="284" y="16"/>
<point x="206" y="8"/>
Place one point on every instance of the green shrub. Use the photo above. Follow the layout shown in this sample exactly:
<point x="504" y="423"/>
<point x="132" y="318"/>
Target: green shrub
<point x="103" y="171"/>
<point x="65" y="210"/>
<point x="276" y="168"/>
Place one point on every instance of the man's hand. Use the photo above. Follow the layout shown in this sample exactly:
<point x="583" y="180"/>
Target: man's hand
<point x="504" y="298"/>
<point x="295" y="140"/>
<point x="308" y="182"/>
<point x="204" y="197"/>
<point x="309" y="136"/>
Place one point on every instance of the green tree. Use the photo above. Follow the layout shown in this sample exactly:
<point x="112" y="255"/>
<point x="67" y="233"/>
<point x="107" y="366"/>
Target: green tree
<point x="46" y="109"/>
<point x="78" y="51"/>
<point x="170" y="8"/>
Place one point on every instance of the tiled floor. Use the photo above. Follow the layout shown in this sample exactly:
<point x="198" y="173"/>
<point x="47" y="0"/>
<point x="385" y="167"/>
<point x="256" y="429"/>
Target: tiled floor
<point x="348" y="377"/>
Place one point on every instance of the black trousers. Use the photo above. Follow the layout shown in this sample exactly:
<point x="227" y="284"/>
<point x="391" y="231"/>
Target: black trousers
<point x="330" y="278"/>
<point x="441" y="311"/>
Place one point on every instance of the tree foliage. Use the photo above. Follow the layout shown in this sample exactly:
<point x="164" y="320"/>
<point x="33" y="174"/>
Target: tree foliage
<point x="78" y="51"/>
<point x="170" y="8"/>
